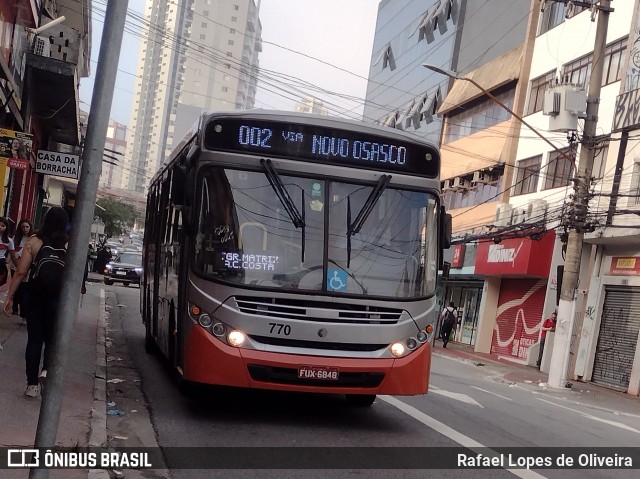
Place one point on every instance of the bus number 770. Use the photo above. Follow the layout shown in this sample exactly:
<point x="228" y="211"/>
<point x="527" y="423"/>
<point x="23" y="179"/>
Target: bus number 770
<point x="279" y="328"/>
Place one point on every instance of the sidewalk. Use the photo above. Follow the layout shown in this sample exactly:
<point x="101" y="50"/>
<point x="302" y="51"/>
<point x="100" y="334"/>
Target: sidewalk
<point x="19" y="414"/>
<point x="518" y="375"/>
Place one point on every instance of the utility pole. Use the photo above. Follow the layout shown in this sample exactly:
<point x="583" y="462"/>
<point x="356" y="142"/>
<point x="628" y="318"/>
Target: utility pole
<point x="81" y="228"/>
<point x="570" y="277"/>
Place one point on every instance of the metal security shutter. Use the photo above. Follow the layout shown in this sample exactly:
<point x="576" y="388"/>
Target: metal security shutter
<point x="518" y="318"/>
<point x="618" y="338"/>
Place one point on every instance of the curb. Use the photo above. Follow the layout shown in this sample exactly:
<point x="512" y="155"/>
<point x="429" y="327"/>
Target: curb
<point x="98" y="424"/>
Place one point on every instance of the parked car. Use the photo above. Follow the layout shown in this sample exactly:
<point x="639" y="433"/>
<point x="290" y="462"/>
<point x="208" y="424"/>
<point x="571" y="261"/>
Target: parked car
<point x="126" y="268"/>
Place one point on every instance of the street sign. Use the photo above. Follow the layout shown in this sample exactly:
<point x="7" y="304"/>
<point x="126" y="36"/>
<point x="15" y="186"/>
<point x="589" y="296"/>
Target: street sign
<point x="58" y="164"/>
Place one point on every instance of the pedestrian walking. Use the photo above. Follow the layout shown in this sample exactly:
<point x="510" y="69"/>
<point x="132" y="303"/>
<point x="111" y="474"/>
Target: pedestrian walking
<point x="448" y="317"/>
<point x="6" y="250"/>
<point x="44" y="255"/>
<point x="23" y="233"/>
<point x="549" y="324"/>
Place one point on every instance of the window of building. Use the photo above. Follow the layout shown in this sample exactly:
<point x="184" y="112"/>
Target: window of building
<point x="230" y="42"/>
<point x="482" y="115"/>
<point x="227" y="78"/>
<point x="234" y="19"/>
<point x="474" y="194"/>
<point x="536" y="92"/>
<point x="205" y="13"/>
<point x="232" y="30"/>
<point x="203" y="36"/>
<point x="579" y="71"/>
<point x="559" y="169"/>
<point x="555" y="13"/>
<point x="236" y="7"/>
<point x="225" y="89"/>
<point x="528" y="172"/>
<point x="204" y="24"/>
<point x="229" y="54"/>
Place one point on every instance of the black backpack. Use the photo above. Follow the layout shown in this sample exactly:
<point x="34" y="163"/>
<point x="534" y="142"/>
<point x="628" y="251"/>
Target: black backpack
<point x="47" y="270"/>
<point x="449" y="317"/>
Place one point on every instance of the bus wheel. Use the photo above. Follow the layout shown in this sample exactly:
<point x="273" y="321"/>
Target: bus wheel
<point x="361" y="400"/>
<point x="108" y="282"/>
<point x="125" y="284"/>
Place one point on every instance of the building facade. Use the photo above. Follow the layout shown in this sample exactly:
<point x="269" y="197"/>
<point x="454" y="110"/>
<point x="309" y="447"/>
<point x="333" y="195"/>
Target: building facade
<point x="199" y="55"/>
<point x="42" y="59"/>
<point x="113" y="163"/>
<point x="480" y="38"/>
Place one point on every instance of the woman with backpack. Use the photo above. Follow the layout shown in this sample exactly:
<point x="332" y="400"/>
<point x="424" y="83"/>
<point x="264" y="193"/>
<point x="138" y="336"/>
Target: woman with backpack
<point x="41" y="305"/>
<point x="449" y="317"/>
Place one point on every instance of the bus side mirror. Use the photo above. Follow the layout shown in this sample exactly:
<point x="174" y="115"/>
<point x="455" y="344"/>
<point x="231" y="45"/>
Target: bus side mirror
<point x="445" y="229"/>
<point x="445" y="234"/>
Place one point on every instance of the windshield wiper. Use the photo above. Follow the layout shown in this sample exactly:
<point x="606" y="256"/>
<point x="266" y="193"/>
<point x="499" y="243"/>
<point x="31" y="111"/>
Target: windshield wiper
<point x="283" y="195"/>
<point x="365" y="211"/>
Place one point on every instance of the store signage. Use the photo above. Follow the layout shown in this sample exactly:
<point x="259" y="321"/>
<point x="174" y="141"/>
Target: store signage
<point x="625" y="266"/>
<point x="15" y="148"/>
<point x="18" y="163"/>
<point x="58" y="164"/>
<point x="516" y="257"/>
<point x="458" y="256"/>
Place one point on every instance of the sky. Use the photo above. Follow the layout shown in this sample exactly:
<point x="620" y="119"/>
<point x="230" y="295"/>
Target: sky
<point x="305" y="40"/>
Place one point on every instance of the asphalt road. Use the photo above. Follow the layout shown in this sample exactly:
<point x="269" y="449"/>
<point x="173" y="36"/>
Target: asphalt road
<point x="466" y="406"/>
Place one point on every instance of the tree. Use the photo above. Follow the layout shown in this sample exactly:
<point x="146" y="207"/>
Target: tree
<point x="118" y="218"/>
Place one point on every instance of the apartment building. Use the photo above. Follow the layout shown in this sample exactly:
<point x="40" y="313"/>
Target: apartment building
<point x="113" y="163"/>
<point x="196" y="55"/>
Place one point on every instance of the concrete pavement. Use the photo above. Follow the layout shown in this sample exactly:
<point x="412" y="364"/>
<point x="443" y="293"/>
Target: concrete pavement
<point x="499" y="369"/>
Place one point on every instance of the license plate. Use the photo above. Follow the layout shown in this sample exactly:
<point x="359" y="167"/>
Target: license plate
<point x="318" y="372"/>
<point x="121" y="273"/>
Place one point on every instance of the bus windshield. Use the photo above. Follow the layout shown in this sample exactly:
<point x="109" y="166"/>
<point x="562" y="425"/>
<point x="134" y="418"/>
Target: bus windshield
<point x="245" y="235"/>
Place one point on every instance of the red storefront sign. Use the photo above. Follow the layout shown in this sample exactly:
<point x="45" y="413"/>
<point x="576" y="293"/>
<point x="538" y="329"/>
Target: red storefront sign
<point x="516" y="257"/>
<point x="458" y="256"/>
<point x="18" y="163"/>
<point x="625" y="266"/>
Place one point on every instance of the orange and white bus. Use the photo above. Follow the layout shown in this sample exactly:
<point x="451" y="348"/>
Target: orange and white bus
<point x="295" y="252"/>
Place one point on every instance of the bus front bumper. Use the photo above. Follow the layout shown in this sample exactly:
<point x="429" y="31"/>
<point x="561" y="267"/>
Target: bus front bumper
<point x="209" y="361"/>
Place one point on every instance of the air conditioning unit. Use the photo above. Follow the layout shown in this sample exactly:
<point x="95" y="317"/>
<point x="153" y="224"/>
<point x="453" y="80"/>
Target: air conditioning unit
<point x="536" y="210"/>
<point x="460" y="183"/>
<point x="519" y="216"/>
<point x="481" y="177"/>
<point x="42" y="46"/>
<point x="504" y="213"/>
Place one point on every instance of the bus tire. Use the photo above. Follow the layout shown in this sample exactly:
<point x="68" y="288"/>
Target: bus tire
<point x="108" y="282"/>
<point x="361" y="400"/>
<point x="125" y="284"/>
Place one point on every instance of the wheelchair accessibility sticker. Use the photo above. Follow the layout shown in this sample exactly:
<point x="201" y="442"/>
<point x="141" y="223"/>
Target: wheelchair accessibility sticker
<point x="336" y="280"/>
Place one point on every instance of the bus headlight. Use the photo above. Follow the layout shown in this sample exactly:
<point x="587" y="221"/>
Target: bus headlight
<point x="236" y="338"/>
<point x="398" y="350"/>
<point x="422" y="336"/>
<point x="205" y="320"/>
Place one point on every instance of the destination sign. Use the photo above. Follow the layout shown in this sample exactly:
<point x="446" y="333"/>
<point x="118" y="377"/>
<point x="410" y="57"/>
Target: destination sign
<point x="322" y="144"/>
